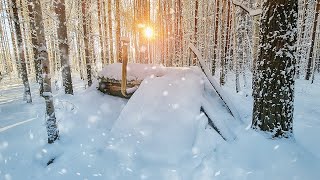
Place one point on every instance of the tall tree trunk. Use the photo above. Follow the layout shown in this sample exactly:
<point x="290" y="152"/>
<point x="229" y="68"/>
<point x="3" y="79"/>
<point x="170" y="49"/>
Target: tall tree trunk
<point x="24" y="74"/>
<point x="34" y="39"/>
<point x="118" y="33"/>
<point x="5" y="39"/>
<point x="51" y="123"/>
<point x="165" y="36"/>
<point x="4" y="48"/>
<point x="27" y="38"/>
<point x="135" y="34"/>
<point x="110" y="31"/>
<point x="236" y="48"/>
<point x="255" y="48"/>
<point x="106" y="38"/>
<point x="101" y="33"/>
<point x="216" y="32"/>
<point x="80" y="40"/>
<point x="274" y="85"/>
<point x="196" y="12"/>
<point x="14" y="43"/>
<point x="310" y="57"/>
<point x="13" y="39"/>
<point x="224" y="36"/>
<point x="301" y="36"/>
<point x="59" y="7"/>
<point x="32" y="14"/>
<point x="86" y="43"/>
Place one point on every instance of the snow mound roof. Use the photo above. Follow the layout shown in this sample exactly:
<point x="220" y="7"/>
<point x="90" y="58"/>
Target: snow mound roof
<point x="134" y="71"/>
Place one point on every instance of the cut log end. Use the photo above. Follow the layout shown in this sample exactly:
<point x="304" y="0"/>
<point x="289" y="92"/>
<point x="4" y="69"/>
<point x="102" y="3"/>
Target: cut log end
<point x="113" y="87"/>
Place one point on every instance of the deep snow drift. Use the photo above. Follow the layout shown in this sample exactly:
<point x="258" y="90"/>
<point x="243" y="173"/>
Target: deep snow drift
<point x="158" y="134"/>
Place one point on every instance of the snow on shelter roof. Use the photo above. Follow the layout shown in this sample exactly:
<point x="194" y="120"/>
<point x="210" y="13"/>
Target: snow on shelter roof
<point x="135" y="71"/>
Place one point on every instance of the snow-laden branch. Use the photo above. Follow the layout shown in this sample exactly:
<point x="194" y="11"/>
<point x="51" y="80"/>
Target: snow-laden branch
<point x="252" y="12"/>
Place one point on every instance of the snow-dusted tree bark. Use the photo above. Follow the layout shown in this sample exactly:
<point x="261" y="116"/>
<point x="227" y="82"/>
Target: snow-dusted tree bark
<point x="106" y="43"/>
<point x="166" y="34"/>
<point x="196" y="12"/>
<point x="24" y="74"/>
<point x="26" y="40"/>
<point x="4" y="48"/>
<point x="118" y="33"/>
<point x="235" y="46"/>
<point x="300" y="39"/>
<point x="34" y="41"/>
<point x="225" y="36"/>
<point x="178" y="32"/>
<point x="14" y="40"/>
<point x="59" y="6"/>
<point x="310" y="57"/>
<point x="86" y="43"/>
<point x="255" y="46"/>
<point x="51" y="124"/>
<point x="110" y="32"/>
<point x="32" y="13"/>
<point x="5" y="40"/>
<point x="274" y="85"/>
<point x="101" y="33"/>
<point x="216" y="32"/>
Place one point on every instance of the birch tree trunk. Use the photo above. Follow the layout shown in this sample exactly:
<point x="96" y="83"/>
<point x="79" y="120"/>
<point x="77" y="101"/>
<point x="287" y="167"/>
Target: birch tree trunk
<point x="110" y="32"/>
<point x="118" y="43"/>
<point x="34" y="41"/>
<point x="24" y="74"/>
<point x="216" y="32"/>
<point x="310" y="57"/>
<point x="106" y="38"/>
<point x="101" y="34"/>
<point x="14" y="42"/>
<point x="195" y="30"/>
<point x="59" y="6"/>
<point x="51" y="123"/>
<point x="32" y="15"/>
<point x="86" y="41"/>
<point x="224" y="37"/>
<point x="301" y="35"/>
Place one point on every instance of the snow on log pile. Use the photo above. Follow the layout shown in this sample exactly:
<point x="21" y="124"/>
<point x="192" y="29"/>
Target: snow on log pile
<point x="110" y="77"/>
<point x="145" y="73"/>
<point x="135" y="71"/>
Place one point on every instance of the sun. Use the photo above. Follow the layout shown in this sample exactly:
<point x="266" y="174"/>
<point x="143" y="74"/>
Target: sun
<point x="148" y="32"/>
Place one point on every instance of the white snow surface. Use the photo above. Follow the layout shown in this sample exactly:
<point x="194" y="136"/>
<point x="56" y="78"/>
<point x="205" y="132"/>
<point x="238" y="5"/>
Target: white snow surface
<point x="135" y="71"/>
<point x="150" y="122"/>
<point x="158" y="134"/>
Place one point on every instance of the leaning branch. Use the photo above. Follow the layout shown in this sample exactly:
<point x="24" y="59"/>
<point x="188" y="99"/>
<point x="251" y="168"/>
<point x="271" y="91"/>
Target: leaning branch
<point x="252" y="12"/>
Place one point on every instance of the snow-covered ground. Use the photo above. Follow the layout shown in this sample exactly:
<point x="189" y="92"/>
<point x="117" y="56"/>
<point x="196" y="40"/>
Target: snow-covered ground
<point x="158" y="134"/>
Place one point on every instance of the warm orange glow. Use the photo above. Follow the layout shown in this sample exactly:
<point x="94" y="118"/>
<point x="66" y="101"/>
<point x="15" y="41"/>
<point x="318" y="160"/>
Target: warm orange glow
<point x="141" y="25"/>
<point x="148" y="32"/>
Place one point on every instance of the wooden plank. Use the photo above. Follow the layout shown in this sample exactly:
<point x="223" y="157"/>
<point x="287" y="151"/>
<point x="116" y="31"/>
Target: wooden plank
<point x="229" y="105"/>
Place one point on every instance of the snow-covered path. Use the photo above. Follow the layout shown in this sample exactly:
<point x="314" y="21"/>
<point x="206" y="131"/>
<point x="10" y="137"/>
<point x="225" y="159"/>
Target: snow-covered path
<point x="13" y="110"/>
<point x="16" y="124"/>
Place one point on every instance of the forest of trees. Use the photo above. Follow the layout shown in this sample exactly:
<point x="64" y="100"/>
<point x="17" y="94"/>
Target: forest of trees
<point x="52" y="40"/>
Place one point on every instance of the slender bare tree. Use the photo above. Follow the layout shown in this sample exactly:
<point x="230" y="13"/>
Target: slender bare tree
<point x="59" y="7"/>
<point x="110" y="31"/>
<point x="42" y="53"/>
<point x="311" y="54"/>
<point x="118" y="33"/>
<point x="86" y="41"/>
<point x="24" y="73"/>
